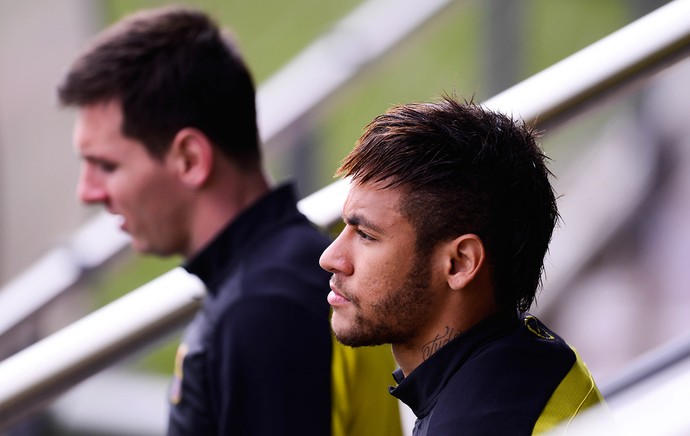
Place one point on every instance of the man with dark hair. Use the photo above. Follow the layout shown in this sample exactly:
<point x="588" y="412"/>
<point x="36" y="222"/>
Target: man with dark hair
<point x="448" y="218"/>
<point x="166" y="129"/>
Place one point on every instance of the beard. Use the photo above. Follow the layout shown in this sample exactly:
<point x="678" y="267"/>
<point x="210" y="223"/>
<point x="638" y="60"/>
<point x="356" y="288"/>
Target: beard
<point x="396" y="316"/>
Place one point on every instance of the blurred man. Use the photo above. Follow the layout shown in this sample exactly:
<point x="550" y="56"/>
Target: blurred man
<point x="447" y="222"/>
<point x="166" y="129"/>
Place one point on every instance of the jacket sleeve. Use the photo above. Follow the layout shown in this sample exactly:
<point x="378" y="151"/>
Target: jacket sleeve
<point x="269" y="369"/>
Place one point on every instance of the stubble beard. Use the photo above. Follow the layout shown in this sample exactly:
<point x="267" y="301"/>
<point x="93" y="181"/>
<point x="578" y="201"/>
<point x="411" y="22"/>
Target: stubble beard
<point x="396" y="316"/>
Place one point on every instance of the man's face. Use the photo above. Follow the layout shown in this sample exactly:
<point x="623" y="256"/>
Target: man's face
<point x="382" y="291"/>
<point x="119" y="173"/>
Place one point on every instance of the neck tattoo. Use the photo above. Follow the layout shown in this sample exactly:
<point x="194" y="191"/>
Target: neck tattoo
<point x="439" y="341"/>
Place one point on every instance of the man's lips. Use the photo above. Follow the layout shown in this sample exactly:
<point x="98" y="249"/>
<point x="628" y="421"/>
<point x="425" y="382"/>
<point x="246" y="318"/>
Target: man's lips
<point x="335" y="298"/>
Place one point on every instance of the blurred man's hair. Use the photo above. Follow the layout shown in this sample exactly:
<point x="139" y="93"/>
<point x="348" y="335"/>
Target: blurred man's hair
<point x="170" y="68"/>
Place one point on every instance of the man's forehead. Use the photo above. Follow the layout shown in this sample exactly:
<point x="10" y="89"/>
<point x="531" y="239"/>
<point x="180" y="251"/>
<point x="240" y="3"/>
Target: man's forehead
<point x="373" y="202"/>
<point x="369" y="194"/>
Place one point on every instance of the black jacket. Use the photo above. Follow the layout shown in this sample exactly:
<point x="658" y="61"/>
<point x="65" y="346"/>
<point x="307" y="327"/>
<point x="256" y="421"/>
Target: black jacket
<point x="507" y="375"/>
<point x="256" y="360"/>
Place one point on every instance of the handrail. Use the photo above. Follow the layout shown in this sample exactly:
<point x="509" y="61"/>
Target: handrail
<point x="656" y="404"/>
<point x="46" y="368"/>
<point x="58" y="270"/>
<point x="667" y="26"/>
<point x="618" y="60"/>
<point x="647" y="365"/>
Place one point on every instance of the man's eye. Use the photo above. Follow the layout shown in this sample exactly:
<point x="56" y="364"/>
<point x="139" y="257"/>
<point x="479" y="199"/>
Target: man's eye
<point x="364" y="236"/>
<point x="107" y="167"/>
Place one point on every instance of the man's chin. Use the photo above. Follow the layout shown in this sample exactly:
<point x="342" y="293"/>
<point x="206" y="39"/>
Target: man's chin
<point x="353" y="337"/>
<point x="347" y="340"/>
<point x="143" y="247"/>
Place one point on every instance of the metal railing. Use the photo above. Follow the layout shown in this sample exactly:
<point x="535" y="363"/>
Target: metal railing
<point x="547" y="98"/>
<point x="52" y="365"/>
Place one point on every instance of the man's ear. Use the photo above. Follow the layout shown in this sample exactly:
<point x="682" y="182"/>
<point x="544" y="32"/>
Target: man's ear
<point x="467" y="256"/>
<point x="191" y="155"/>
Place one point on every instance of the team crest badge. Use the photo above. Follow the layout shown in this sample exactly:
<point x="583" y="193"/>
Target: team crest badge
<point x="178" y="375"/>
<point x="536" y="327"/>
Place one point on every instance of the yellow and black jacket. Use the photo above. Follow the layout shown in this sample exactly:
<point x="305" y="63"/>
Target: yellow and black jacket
<point x="509" y="374"/>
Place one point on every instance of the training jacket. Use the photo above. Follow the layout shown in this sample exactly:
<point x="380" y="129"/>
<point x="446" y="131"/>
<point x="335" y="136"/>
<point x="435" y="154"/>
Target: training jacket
<point x="256" y="359"/>
<point x="508" y="375"/>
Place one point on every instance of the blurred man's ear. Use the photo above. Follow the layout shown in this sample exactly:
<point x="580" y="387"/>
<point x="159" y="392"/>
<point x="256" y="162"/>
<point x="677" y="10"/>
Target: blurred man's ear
<point x="191" y="153"/>
<point x="467" y="257"/>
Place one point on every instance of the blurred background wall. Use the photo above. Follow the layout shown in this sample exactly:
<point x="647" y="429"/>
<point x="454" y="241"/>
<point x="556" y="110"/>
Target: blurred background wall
<point x="37" y="169"/>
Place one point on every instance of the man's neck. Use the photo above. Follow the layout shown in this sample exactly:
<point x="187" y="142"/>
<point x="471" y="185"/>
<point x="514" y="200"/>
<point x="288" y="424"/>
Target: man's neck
<point x="410" y="355"/>
<point x="413" y="353"/>
<point x="222" y="203"/>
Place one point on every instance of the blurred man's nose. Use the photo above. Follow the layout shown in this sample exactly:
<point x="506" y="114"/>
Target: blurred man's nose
<point x="89" y="190"/>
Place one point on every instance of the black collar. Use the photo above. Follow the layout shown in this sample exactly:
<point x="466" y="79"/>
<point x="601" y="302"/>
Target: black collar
<point x="270" y="211"/>
<point x="421" y="388"/>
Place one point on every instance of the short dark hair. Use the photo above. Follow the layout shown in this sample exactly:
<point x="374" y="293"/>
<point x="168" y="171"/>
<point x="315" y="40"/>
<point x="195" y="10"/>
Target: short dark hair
<point x="170" y="68"/>
<point x="466" y="169"/>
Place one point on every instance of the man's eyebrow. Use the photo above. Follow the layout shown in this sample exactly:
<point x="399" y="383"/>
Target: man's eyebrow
<point x="358" y="220"/>
<point x="95" y="160"/>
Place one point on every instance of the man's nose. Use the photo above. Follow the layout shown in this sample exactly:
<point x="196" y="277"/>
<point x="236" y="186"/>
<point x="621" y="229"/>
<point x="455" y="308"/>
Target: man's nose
<point x="89" y="190"/>
<point x="335" y="257"/>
